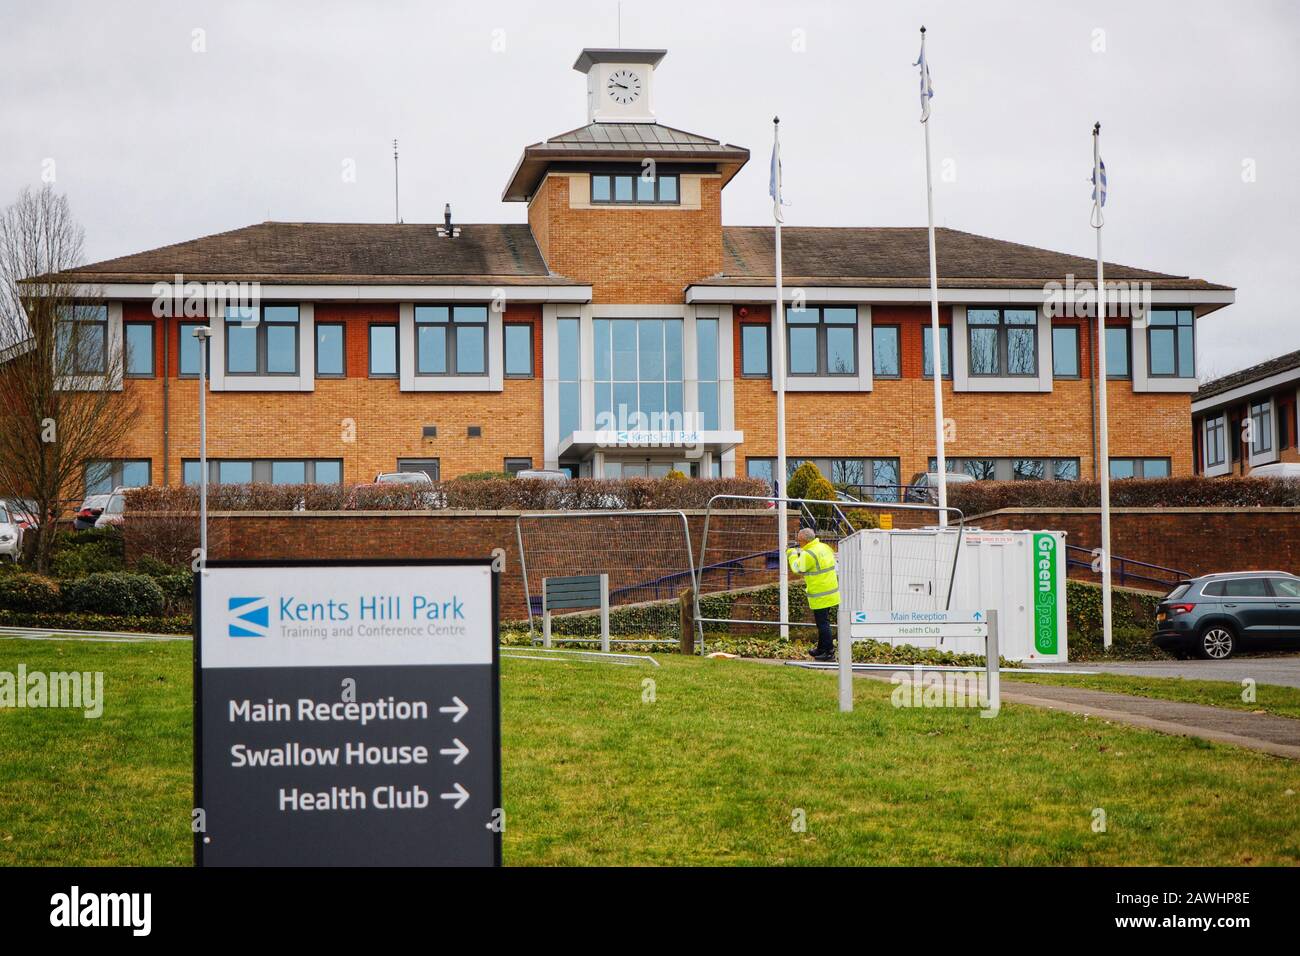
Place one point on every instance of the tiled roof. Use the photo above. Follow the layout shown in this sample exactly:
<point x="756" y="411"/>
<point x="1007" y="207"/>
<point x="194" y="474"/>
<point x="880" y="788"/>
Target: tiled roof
<point x="899" y="256"/>
<point x="625" y="142"/>
<point x="1225" y="383"/>
<point x="343" y="253"/>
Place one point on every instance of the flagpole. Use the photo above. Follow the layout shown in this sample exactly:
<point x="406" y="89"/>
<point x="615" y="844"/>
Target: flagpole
<point x="1103" y="466"/>
<point x="936" y="352"/>
<point x="778" y="380"/>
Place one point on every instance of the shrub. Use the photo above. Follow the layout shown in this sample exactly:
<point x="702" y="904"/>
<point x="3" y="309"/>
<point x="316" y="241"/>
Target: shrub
<point x="486" y="476"/>
<point x="97" y="555"/>
<point x="164" y="508"/>
<point x="65" y="620"/>
<point x="28" y="592"/>
<point x="157" y="568"/>
<point x="801" y="480"/>
<point x="979" y="497"/>
<point x="118" y="592"/>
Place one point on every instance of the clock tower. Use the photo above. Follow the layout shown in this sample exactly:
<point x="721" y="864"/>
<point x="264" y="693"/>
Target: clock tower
<point x="620" y="84"/>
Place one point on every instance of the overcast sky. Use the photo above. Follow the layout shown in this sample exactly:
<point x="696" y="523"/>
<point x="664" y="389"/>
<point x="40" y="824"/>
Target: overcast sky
<point x="159" y="133"/>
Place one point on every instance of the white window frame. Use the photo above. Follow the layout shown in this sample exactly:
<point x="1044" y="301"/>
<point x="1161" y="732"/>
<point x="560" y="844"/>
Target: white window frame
<point x="1224" y="467"/>
<point x="1264" y="456"/>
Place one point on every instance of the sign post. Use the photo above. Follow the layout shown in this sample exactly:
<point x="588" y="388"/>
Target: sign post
<point x="917" y="625"/>
<point x="347" y="713"/>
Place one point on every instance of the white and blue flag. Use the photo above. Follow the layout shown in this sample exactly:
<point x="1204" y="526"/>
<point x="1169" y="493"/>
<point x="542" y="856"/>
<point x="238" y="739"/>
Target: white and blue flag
<point x="1101" y="201"/>
<point x="774" y="180"/>
<point x="927" y="90"/>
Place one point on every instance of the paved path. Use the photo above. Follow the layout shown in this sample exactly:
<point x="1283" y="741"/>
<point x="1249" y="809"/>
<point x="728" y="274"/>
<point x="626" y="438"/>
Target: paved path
<point x="1283" y="671"/>
<point x="1268" y="733"/>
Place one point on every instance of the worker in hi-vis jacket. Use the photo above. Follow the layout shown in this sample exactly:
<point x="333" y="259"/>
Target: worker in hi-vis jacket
<point x="816" y="562"/>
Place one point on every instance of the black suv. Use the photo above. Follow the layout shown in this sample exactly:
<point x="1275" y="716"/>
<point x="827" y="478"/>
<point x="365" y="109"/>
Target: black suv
<point x="1216" y="615"/>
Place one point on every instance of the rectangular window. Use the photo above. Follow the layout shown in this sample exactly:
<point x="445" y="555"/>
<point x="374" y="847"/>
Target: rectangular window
<point x="1003" y="341"/>
<point x="1065" y="469"/>
<point x="754" y="351"/>
<point x="265" y="345"/>
<point x="139" y="349"/>
<point x="518" y="350"/>
<point x="430" y="466"/>
<point x="1261" y="427"/>
<point x="81" y="340"/>
<point x="639" y="380"/>
<point x="451" y="340"/>
<point x="1170" y="351"/>
<point x="274" y="471"/>
<point x="1117" y="351"/>
<point x="1028" y="469"/>
<point x="927" y="351"/>
<point x="886" y="360"/>
<point x="514" y="466"/>
<point x="101" y="477"/>
<point x="568" y="360"/>
<point x="1214" y="444"/>
<point x="634" y="188"/>
<point x="1065" y="351"/>
<point x="822" y="340"/>
<point x="383" y="351"/>
<point x="330" y="357"/>
<point x="706" y="360"/>
<point x="188" y="349"/>
<point x="1139" y="468"/>
<point x="1285" y="416"/>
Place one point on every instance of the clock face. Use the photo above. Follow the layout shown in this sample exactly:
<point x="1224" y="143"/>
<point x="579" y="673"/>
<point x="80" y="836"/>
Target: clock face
<point x="623" y="86"/>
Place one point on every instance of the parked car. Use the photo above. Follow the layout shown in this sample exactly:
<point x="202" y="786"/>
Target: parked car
<point x="403" y="478"/>
<point x="1277" y="469"/>
<point x="545" y="474"/>
<point x="1216" y="615"/>
<point x="22" y="511"/>
<point x="114" y="512"/>
<point x="90" y="511"/>
<point x="11" y="535"/>
<point x="924" y="486"/>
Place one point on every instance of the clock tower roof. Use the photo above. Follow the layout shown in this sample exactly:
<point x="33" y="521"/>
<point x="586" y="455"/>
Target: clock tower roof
<point x="620" y="142"/>
<point x="593" y="55"/>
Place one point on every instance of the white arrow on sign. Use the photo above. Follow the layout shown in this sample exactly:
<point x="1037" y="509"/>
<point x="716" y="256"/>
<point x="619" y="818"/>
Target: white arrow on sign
<point x="460" y="750"/>
<point x="460" y="796"/>
<point x="458" y="707"/>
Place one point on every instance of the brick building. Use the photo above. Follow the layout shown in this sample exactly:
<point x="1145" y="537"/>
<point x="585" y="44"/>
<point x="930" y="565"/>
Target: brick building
<point x="625" y="330"/>
<point x="1247" y="418"/>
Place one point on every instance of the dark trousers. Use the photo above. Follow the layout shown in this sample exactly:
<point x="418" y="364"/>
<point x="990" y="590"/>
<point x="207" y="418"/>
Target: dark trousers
<point x="825" y="639"/>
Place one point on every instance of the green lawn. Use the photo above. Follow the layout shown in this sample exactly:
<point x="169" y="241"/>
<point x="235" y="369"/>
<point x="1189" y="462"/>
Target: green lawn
<point x="712" y="771"/>
<point x="1269" y="698"/>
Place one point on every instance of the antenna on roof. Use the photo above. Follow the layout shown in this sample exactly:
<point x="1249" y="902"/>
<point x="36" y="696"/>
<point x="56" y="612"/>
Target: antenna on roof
<point x="620" y="24"/>
<point x="397" y="205"/>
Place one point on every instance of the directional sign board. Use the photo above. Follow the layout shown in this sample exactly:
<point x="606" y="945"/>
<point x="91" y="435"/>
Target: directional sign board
<point x="914" y="625"/>
<point x="347" y="714"/>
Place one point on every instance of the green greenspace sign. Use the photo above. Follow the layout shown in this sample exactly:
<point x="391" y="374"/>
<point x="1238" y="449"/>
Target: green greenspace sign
<point x="1045" y="589"/>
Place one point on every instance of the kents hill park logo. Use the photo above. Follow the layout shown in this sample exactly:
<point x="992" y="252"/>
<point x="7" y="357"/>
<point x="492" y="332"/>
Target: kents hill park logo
<point x="248" y="616"/>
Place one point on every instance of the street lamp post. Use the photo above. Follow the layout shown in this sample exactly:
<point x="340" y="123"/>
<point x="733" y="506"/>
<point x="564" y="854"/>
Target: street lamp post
<point x="203" y="333"/>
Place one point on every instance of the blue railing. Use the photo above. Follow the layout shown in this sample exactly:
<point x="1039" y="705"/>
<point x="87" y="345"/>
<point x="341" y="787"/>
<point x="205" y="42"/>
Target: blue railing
<point x="1124" y="570"/>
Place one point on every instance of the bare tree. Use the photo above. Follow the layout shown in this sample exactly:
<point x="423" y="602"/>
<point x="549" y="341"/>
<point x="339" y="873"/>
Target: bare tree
<point x="62" y="403"/>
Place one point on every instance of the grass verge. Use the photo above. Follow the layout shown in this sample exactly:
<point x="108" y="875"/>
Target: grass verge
<point x="1269" y="698"/>
<point x="714" y="762"/>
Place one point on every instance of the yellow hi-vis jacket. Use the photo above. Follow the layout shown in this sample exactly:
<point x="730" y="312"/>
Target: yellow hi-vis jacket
<point x="816" y="562"/>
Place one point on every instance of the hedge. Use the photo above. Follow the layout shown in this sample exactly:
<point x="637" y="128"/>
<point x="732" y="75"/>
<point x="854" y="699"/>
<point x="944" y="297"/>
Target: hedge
<point x="175" y="624"/>
<point x="980" y="497"/>
<point x="115" y="593"/>
<point x="29" y="592"/>
<point x="485" y="494"/>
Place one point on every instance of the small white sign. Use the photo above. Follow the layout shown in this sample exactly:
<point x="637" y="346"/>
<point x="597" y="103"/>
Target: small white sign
<point x="899" y="625"/>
